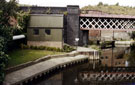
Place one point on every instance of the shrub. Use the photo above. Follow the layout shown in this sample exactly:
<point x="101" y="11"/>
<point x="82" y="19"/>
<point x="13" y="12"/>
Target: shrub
<point x="66" y="48"/>
<point x="133" y="35"/>
<point x="3" y="61"/>
<point x="2" y="43"/>
<point x="41" y="47"/>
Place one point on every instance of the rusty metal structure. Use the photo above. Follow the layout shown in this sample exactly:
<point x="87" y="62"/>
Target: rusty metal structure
<point x="104" y="21"/>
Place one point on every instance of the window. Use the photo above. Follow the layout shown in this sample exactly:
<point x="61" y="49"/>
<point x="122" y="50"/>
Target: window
<point x="36" y="31"/>
<point x="48" y="31"/>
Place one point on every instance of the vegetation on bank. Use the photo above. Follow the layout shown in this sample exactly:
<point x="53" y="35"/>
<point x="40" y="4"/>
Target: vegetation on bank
<point x="7" y="10"/>
<point x="96" y="47"/>
<point x="111" y="9"/>
<point x="21" y="56"/>
<point x="31" y="53"/>
<point x="12" y="22"/>
<point x="133" y="35"/>
<point x="66" y="48"/>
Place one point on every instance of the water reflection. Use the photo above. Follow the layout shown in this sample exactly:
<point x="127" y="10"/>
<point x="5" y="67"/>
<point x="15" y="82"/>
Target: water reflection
<point x="66" y="77"/>
<point x="112" y="57"/>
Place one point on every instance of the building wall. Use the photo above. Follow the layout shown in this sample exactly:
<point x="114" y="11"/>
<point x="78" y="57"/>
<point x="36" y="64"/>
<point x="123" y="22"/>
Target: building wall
<point x="56" y="35"/>
<point x="40" y="22"/>
<point x="57" y="44"/>
<point x="121" y="35"/>
<point x="46" y="20"/>
<point x="108" y="35"/>
<point x="73" y="29"/>
<point x="94" y="34"/>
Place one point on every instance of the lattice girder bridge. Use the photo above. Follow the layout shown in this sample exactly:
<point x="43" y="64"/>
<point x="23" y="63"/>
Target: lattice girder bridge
<point x="107" y="23"/>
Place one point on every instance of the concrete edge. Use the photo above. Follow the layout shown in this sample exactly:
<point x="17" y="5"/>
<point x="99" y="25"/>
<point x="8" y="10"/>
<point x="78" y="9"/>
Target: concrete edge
<point x="15" y="68"/>
<point x="21" y="66"/>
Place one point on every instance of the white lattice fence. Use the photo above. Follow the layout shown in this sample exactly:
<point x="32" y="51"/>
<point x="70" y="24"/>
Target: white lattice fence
<point x="104" y="23"/>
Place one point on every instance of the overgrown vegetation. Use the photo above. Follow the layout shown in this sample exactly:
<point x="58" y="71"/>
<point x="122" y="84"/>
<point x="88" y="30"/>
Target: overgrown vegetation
<point x="112" y="9"/>
<point x="22" y="23"/>
<point x="65" y="48"/>
<point x="7" y="10"/>
<point x="133" y="35"/>
<point x="12" y="22"/>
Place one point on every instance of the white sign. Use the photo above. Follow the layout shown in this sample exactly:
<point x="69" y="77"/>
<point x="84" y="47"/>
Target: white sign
<point x="76" y="39"/>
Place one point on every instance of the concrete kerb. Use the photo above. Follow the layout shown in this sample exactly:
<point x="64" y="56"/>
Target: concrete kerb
<point x="15" y="68"/>
<point x="46" y="71"/>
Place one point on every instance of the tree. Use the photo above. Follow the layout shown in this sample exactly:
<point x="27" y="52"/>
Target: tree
<point x="117" y="4"/>
<point x="100" y="4"/>
<point x="7" y="10"/>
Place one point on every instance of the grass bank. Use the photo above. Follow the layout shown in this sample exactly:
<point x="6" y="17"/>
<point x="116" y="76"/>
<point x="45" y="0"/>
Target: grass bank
<point x="24" y="55"/>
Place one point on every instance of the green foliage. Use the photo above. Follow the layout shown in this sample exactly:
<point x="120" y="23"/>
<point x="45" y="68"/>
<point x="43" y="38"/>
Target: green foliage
<point x="66" y="48"/>
<point x="20" y="56"/>
<point x="5" y="36"/>
<point x="100" y="4"/>
<point x="111" y="9"/>
<point x="95" y="47"/>
<point x="2" y="44"/>
<point x="7" y="10"/>
<point x="117" y="4"/>
<point x="133" y="35"/>
<point x="65" y="13"/>
<point x="3" y="61"/>
<point x="23" y="21"/>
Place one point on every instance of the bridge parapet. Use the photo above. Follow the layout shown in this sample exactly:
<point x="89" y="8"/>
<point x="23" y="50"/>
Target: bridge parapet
<point x="98" y="23"/>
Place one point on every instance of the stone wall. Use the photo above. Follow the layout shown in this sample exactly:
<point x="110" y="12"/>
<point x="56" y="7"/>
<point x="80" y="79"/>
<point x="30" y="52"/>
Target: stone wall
<point x="72" y="24"/>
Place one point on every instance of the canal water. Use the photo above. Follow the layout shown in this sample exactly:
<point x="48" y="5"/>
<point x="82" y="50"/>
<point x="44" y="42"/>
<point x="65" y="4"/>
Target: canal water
<point x="120" y="56"/>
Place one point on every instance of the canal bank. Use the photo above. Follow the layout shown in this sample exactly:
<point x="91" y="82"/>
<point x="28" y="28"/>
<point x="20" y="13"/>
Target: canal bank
<point x="45" y="66"/>
<point x="112" y="66"/>
<point x="113" y="58"/>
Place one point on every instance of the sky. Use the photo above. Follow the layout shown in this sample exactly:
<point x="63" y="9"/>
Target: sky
<point x="81" y="3"/>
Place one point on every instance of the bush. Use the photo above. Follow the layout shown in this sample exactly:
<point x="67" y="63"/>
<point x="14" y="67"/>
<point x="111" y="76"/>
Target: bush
<point x="133" y="35"/>
<point x="2" y="43"/>
<point x="3" y="61"/>
<point x="66" y="48"/>
<point x="42" y="47"/>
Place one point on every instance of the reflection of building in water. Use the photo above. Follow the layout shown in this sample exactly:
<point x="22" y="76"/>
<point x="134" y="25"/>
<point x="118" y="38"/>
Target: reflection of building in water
<point x="113" y="57"/>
